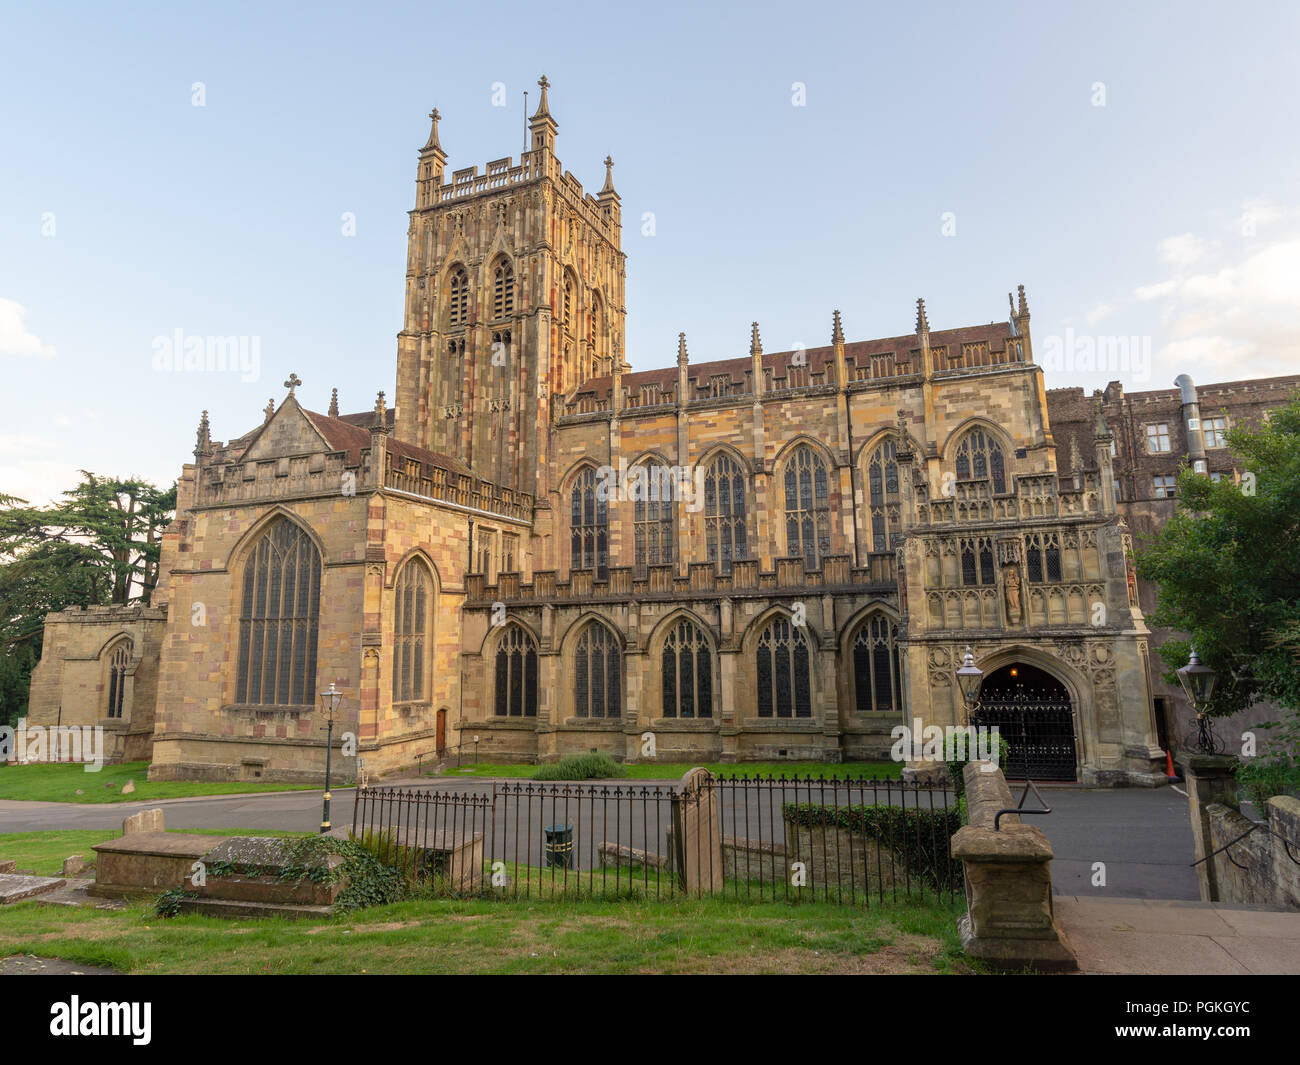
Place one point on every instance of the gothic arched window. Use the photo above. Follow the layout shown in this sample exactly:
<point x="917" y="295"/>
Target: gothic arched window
<point x="724" y="513"/>
<point x="588" y="526"/>
<point x="980" y="458"/>
<point x="411" y="634"/>
<point x="458" y="297"/>
<point x="516" y="674"/>
<point x="597" y="669"/>
<point x="783" y="662"/>
<point x="119" y="662"/>
<point x="687" y="672"/>
<point x="503" y="290"/>
<point x="882" y="496"/>
<point x="807" y="506"/>
<point x="875" y="667"/>
<point x="278" y="619"/>
<point x="653" y="516"/>
<point x="567" y="313"/>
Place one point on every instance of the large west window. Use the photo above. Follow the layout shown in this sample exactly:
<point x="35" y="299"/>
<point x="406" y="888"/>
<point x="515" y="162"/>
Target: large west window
<point x="783" y="671"/>
<point x="278" y="619"/>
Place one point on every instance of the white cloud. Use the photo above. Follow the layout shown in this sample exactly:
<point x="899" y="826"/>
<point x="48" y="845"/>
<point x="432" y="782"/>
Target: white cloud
<point x="15" y="338"/>
<point x="1239" y="316"/>
<point x="1102" y="310"/>
<point x="1185" y="250"/>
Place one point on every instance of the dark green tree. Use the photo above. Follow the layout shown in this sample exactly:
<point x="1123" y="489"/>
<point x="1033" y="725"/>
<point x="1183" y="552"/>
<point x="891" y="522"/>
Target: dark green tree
<point x="100" y="545"/>
<point x="1228" y="569"/>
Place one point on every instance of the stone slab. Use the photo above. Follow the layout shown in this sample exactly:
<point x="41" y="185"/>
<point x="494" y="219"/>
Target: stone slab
<point x="15" y="888"/>
<point x="1262" y="955"/>
<point x="160" y="844"/>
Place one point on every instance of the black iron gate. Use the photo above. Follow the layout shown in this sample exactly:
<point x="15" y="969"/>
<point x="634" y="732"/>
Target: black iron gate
<point x="1040" y="732"/>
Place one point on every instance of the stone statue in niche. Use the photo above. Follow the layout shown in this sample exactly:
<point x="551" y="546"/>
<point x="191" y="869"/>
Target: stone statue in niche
<point x="1012" y="589"/>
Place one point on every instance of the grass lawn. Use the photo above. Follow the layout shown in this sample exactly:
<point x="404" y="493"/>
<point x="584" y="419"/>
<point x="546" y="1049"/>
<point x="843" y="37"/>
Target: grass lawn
<point x="60" y="782"/>
<point x="490" y="936"/>
<point x="674" y="770"/>
<point x="43" y="852"/>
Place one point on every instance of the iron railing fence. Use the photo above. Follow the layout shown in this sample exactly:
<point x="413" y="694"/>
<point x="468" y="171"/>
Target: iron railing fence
<point x="824" y="838"/>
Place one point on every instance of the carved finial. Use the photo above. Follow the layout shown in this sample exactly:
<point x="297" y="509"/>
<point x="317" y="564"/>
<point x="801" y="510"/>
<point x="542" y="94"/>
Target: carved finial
<point x="334" y="403"/>
<point x="681" y="349"/>
<point x="433" y="144"/>
<point x="837" y="330"/>
<point x="1012" y="304"/>
<point x="203" y="440"/>
<point x="609" y="176"/>
<point x="293" y="382"/>
<point x="922" y="323"/>
<point x="543" y="108"/>
<point x="1100" y="427"/>
<point x="269" y="411"/>
<point x="755" y="344"/>
<point x="1024" y="305"/>
<point x="381" y="410"/>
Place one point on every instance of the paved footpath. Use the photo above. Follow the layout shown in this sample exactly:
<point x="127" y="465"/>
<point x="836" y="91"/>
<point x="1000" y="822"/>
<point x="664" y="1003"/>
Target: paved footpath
<point x="1158" y="937"/>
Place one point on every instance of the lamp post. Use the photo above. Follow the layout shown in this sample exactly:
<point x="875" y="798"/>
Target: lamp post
<point x="970" y="678"/>
<point x="1198" y="682"/>
<point x="329" y="702"/>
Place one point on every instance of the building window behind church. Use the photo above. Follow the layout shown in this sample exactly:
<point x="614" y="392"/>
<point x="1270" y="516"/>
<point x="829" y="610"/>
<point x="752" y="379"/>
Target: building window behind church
<point x="503" y="291"/>
<point x="588" y="526"/>
<point x="1165" y="485"/>
<point x="653" y="519"/>
<point x="875" y="667"/>
<point x="598" y="672"/>
<point x="784" y="686"/>
<point x="687" y="672"/>
<point x="458" y="297"/>
<point x="516" y="694"/>
<point x="118" y="665"/>
<point x="410" y="634"/>
<point x="980" y="458"/>
<point x="882" y="486"/>
<point x="1216" y="432"/>
<point x="807" y="506"/>
<point x="278" y="620"/>
<point x="1158" y="438"/>
<point x="1043" y="557"/>
<point x="724" y="513"/>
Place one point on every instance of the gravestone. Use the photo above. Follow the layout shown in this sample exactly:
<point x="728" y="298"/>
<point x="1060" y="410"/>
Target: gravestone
<point x="144" y="821"/>
<point x="696" y="840"/>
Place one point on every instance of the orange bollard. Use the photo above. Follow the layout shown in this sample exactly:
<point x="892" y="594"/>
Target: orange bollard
<point x="1169" y="766"/>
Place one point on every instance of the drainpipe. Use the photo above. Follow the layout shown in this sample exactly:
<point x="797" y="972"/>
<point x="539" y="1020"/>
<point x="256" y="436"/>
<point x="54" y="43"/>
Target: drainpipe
<point x="1192" y="423"/>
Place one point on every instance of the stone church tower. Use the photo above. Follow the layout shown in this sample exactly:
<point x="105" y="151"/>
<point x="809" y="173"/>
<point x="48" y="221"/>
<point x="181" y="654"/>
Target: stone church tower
<point x="514" y="295"/>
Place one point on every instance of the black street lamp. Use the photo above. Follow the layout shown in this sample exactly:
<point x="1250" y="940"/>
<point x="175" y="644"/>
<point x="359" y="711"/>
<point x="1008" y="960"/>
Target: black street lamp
<point x="329" y="702"/>
<point x="1198" y="682"/>
<point x="970" y="678"/>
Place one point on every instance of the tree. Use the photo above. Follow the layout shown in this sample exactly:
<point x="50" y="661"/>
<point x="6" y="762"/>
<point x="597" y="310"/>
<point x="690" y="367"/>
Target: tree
<point x="1228" y="569"/>
<point x="101" y="545"/>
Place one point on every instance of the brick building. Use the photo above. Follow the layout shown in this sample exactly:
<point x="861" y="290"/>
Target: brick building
<point x="539" y="551"/>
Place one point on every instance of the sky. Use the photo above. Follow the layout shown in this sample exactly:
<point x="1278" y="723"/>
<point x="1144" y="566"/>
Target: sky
<point x="245" y="170"/>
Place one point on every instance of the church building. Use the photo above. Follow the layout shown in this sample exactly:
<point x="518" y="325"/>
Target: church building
<point x="537" y="551"/>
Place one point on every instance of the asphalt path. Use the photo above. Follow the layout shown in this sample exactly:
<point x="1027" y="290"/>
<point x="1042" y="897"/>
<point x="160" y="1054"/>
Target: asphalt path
<point x="1141" y="837"/>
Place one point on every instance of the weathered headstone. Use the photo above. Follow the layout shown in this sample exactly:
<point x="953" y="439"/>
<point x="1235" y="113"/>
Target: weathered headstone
<point x="697" y="834"/>
<point x="144" y="821"/>
<point x="128" y="788"/>
<point x="73" y="865"/>
<point x="8" y="866"/>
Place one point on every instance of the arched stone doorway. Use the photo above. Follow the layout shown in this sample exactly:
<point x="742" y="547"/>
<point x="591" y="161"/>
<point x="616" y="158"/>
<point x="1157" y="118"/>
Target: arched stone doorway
<point x="1034" y="714"/>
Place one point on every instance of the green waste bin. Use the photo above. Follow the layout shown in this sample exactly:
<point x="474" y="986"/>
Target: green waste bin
<point x="559" y="846"/>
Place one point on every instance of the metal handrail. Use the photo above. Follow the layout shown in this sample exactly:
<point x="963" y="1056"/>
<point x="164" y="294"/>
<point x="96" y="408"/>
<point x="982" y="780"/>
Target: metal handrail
<point x="1019" y="807"/>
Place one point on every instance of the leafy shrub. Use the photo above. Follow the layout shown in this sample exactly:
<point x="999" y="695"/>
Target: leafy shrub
<point x="957" y="766"/>
<point x="919" y="837"/>
<point x="596" y="766"/>
<point x="1260" y="779"/>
